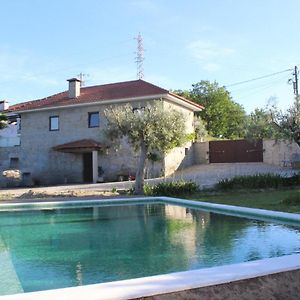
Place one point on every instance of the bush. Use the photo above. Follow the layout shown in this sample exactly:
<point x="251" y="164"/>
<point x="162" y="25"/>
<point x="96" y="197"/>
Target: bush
<point x="291" y="200"/>
<point x="175" y="188"/>
<point x="259" y="181"/>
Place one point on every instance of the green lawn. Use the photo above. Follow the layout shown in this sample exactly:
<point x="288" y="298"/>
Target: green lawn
<point x="265" y="199"/>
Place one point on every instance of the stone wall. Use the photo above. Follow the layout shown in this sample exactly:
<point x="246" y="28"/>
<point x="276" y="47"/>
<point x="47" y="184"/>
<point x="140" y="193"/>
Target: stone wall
<point x="279" y="153"/>
<point x="47" y="166"/>
<point x="52" y="167"/>
<point x="9" y="160"/>
<point x="201" y="153"/>
<point x="180" y="157"/>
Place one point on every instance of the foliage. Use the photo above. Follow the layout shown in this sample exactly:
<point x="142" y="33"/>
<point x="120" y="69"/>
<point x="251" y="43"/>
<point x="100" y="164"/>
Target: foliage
<point x="174" y="188"/>
<point x="260" y="125"/>
<point x="153" y="157"/>
<point x="259" y="181"/>
<point x="223" y="117"/>
<point x="291" y="200"/>
<point x="3" y="121"/>
<point x="148" y="130"/>
<point x="189" y="137"/>
<point x="201" y="133"/>
<point x="288" y="122"/>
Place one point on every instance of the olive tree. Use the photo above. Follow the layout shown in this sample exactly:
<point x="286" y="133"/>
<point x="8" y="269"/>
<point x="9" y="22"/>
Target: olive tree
<point x="288" y="122"/>
<point x="152" y="129"/>
<point x="260" y="125"/>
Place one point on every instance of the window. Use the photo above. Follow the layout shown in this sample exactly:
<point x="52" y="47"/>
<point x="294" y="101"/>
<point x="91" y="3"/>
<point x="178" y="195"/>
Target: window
<point x="186" y="151"/>
<point x="14" y="163"/>
<point x="54" y="123"/>
<point x="93" y="119"/>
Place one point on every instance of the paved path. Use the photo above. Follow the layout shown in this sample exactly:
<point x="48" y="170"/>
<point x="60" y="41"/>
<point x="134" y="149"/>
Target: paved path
<point x="210" y="174"/>
<point x="204" y="175"/>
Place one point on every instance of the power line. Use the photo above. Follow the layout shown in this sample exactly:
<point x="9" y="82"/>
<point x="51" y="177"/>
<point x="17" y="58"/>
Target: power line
<point x="258" y="84"/>
<point x="257" y="78"/>
<point x="259" y="89"/>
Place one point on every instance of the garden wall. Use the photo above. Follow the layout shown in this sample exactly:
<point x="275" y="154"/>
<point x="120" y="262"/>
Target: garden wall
<point x="201" y="153"/>
<point x="280" y="153"/>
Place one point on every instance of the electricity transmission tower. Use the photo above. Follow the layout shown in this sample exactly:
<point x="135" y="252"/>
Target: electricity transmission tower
<point x="139" y="57"/>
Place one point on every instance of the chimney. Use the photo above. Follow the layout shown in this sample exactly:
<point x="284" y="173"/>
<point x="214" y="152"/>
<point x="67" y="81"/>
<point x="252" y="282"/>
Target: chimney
<point x="74" y="87"/>
<point x="4" y="105"/>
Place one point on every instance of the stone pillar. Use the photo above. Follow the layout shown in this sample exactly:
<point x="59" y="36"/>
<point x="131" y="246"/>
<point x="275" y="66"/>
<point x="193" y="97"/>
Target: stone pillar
<point x="95" y="166"/>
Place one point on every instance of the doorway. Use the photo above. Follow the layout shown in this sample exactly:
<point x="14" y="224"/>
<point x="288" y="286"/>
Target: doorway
<point x="87" y="167"/>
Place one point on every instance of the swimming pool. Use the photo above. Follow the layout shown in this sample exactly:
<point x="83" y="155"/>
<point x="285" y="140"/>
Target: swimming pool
<point x="56" y="245"/>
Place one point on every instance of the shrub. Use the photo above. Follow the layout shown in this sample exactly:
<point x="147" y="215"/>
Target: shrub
<point x="258" y="181"/>
<point x="148" y="190"/>
<point x="291" y="200"/>
<point x="175" y="188"/>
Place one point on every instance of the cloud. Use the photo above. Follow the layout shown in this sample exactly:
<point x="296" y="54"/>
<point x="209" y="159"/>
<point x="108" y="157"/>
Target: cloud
<point x="208" y="54"/>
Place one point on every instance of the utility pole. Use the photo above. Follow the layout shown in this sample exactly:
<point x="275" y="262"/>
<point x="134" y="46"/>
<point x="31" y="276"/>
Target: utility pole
<point x="139" y="57"/>
<point x="294" y="81"/>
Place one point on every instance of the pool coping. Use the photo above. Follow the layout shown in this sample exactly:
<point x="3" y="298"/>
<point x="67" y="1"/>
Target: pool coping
<point x="172" y="282"/>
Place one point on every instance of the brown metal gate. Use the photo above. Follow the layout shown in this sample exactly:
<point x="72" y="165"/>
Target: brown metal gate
<point x="235" y="151"/>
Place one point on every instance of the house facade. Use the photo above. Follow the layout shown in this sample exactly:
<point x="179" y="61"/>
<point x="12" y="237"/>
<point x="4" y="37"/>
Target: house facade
<point x="62" y="137"/>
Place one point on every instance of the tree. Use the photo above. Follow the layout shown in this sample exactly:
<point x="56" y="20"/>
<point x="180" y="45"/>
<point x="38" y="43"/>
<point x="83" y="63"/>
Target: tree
<point x="148" y="130"/>
<point x="3" y="121"/>
<point x="288" y="122"/>
<point x="200" y="129"/>
<point x="260" y="125"/>
<point x="223" y="117"/>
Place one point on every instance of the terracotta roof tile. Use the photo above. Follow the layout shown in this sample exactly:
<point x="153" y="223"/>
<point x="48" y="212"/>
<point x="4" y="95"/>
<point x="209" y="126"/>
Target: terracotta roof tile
<point x="120" y="90"/>
<point x="80" y="144"/>
<point x="186" y="100"/>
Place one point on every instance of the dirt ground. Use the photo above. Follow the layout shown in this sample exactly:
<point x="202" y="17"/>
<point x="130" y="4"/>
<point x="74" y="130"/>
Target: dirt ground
<point x="279" y="286"/>
<point x="48" y="195"/>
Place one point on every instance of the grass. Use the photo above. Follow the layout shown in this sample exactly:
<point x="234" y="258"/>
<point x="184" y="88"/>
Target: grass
<point x="283" y="199"/>
<point x="264" y="199"/>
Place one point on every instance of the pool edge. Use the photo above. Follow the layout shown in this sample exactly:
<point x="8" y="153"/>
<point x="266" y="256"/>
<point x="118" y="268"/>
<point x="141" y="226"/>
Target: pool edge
<point x="172" y="282"/>
<point x="168" y="283"/>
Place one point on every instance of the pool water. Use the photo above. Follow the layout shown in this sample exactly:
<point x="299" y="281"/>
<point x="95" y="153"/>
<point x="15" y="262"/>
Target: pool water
<point x="55" y="248"/>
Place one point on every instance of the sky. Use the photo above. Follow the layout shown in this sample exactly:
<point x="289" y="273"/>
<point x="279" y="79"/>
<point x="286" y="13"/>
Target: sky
<point x="43" y="43"/>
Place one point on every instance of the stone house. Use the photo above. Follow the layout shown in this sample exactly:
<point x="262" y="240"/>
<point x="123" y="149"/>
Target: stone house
<point x="63" y="141"/>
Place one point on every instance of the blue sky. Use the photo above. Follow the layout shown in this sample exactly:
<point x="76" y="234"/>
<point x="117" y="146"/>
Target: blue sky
<point x="43" y="43"/>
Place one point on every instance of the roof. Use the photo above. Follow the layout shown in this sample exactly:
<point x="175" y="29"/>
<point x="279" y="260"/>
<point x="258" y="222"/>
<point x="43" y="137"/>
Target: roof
<point x="96" y="94"/>
<point x="79" y="146"/>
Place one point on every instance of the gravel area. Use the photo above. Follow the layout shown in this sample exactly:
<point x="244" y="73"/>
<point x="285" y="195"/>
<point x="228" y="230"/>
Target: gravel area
<point x="206" y="176"/>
